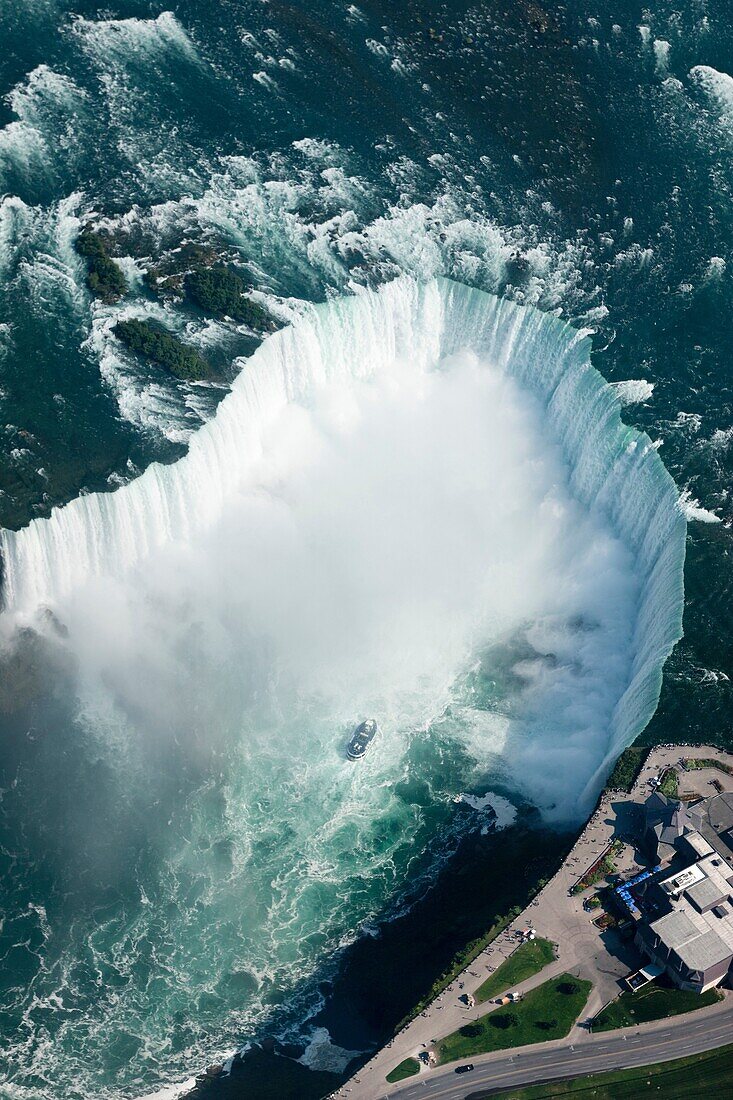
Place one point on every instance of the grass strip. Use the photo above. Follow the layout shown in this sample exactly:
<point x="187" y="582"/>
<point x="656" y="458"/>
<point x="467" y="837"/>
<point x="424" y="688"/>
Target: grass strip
<point x="653" y="1002"/>
<point x="547" y="1012"/>
<point x="408" y="1068"/>
<point x="682" y="1079"/>
<point x="528" y="959"/>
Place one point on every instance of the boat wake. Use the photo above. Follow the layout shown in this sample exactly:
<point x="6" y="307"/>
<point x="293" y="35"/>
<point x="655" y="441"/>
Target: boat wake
<point x="418" y="504"/>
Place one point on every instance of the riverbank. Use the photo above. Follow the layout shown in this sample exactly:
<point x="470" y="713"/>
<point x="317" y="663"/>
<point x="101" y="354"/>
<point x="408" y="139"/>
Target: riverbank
<point x="558" y="913"/>
<point x="383" y="976"/>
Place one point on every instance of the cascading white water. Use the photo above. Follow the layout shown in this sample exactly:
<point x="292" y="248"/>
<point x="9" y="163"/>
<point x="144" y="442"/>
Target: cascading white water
<point x="614" y="471"/>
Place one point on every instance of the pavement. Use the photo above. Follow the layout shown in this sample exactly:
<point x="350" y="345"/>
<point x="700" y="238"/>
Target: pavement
<point x="644" y="1045"/>
<point x="602" y="957"/>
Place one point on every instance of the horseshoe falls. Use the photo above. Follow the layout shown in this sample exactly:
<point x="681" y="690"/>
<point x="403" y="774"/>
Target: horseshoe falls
<point x="394" y="481"/>
<point x="418" y="503"/>
<point x="611" y="472"/>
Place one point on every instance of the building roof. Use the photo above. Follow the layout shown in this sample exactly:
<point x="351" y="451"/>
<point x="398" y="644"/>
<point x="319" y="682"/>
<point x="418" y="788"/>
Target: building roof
<point x="682" y="880"/>
<point x="704" y="951"/>
<point x="713" y="819"/>
<point x="696" y="929"/>
<point x="676" y="929"/>
<point x="698" y="948"/>
<point x="707" y="893"/>
<point x="668" y="820"/>
<point x="700" y="846"/>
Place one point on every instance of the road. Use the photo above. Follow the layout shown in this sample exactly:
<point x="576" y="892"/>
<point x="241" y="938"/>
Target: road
<point x="582" y="949"/>
<point x="642" y="1046"/>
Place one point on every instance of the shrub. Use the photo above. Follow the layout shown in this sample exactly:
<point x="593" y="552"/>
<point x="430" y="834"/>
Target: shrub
<point x="470" y="1031"/>
<point x="567" y="988"/>
<point x="163" y="348"/>
<point x="670" y="783"/>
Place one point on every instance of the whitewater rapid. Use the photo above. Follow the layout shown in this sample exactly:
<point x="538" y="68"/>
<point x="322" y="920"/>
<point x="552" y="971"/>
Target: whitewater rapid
<point x="614" y="471"/>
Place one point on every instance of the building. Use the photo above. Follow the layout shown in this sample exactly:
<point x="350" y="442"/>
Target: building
<point x="712" y="819"/>
<point x="666" y="822"/>
<point x="687" y="927"/>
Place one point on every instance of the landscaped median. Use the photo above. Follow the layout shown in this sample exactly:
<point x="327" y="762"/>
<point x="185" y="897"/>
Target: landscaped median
<point x="528" y="959"/>
<point x="653" y="1002"/>
<point x="547" y="1012"/>
<point x="683" y="1079"/>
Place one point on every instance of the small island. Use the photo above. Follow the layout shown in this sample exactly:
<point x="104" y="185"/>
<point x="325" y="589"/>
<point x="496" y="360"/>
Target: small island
<point x="162" y="347"/>
<point x="105" y="278"/>
<point x="204" y="277"/>
<point x="221" y="292"/>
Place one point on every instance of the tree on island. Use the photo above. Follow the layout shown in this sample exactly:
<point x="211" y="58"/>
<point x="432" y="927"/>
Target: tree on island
<point x="163" y="348"/>
<point x="105" y="278"/>
<point x="220" y="291"/>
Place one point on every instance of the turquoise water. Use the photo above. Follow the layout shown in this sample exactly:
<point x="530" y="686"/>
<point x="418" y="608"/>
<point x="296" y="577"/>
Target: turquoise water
<point x="177" y="861"/>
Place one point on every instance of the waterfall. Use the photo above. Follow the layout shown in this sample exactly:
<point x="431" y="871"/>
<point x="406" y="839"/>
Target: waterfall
<point x="614" y="469"/>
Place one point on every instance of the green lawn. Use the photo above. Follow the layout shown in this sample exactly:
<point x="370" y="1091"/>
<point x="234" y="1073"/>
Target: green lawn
<point x="683" y="1079"/>
<point x="547" y="1012"/>
<point x="697" y="763"/>
<point x="670" y="784"/>
<point x="653" y="1002"/>
<point x="528" y="959"/>
<point x="408" y="1068"/>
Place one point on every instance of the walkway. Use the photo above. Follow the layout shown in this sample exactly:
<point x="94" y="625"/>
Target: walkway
<point x="600" y="956"/>
<point x="661" y="1041"/>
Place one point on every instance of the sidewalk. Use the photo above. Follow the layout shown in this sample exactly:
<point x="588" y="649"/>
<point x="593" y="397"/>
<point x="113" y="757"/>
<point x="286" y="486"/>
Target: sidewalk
<point x="557" y="916"/>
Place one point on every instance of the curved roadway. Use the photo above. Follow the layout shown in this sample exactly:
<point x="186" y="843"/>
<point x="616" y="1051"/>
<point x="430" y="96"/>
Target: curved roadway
<point x="662" y="1041"/>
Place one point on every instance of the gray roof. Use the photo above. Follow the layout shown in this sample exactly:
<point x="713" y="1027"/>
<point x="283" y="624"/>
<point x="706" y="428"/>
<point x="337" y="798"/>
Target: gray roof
<point x="704" y="951"/>
<point x="720" y="811"/>
<point x="705" y="894"/>
<point x="713" y="819"/>
<point x="675" y="929"/>
<point x="667" y="819"/>
<point x="698" y="950"/>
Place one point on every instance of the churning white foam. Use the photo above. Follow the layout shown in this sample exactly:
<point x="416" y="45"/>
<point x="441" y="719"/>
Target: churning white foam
<point x="692" y="509"/>
<point x="719" y="89"/>
<point x="397" y="483"/>
<point x="322" y="1054"/>
<point x="503" y="812"/>
<point x="634" y="391"/>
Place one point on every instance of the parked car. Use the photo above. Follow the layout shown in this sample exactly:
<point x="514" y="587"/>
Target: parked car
<point x="464" y="1069"/>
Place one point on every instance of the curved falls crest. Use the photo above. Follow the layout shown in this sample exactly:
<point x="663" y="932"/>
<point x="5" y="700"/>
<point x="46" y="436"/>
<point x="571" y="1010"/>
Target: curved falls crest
<point x="614" y="470"/>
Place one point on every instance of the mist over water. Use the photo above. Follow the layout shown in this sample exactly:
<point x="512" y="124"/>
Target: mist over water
<point x="395" y="513"/>
<point x="183" y="849"/>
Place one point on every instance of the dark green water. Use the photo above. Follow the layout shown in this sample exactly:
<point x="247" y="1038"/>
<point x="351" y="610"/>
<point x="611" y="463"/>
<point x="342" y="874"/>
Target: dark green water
<point x="577" y="157"/>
